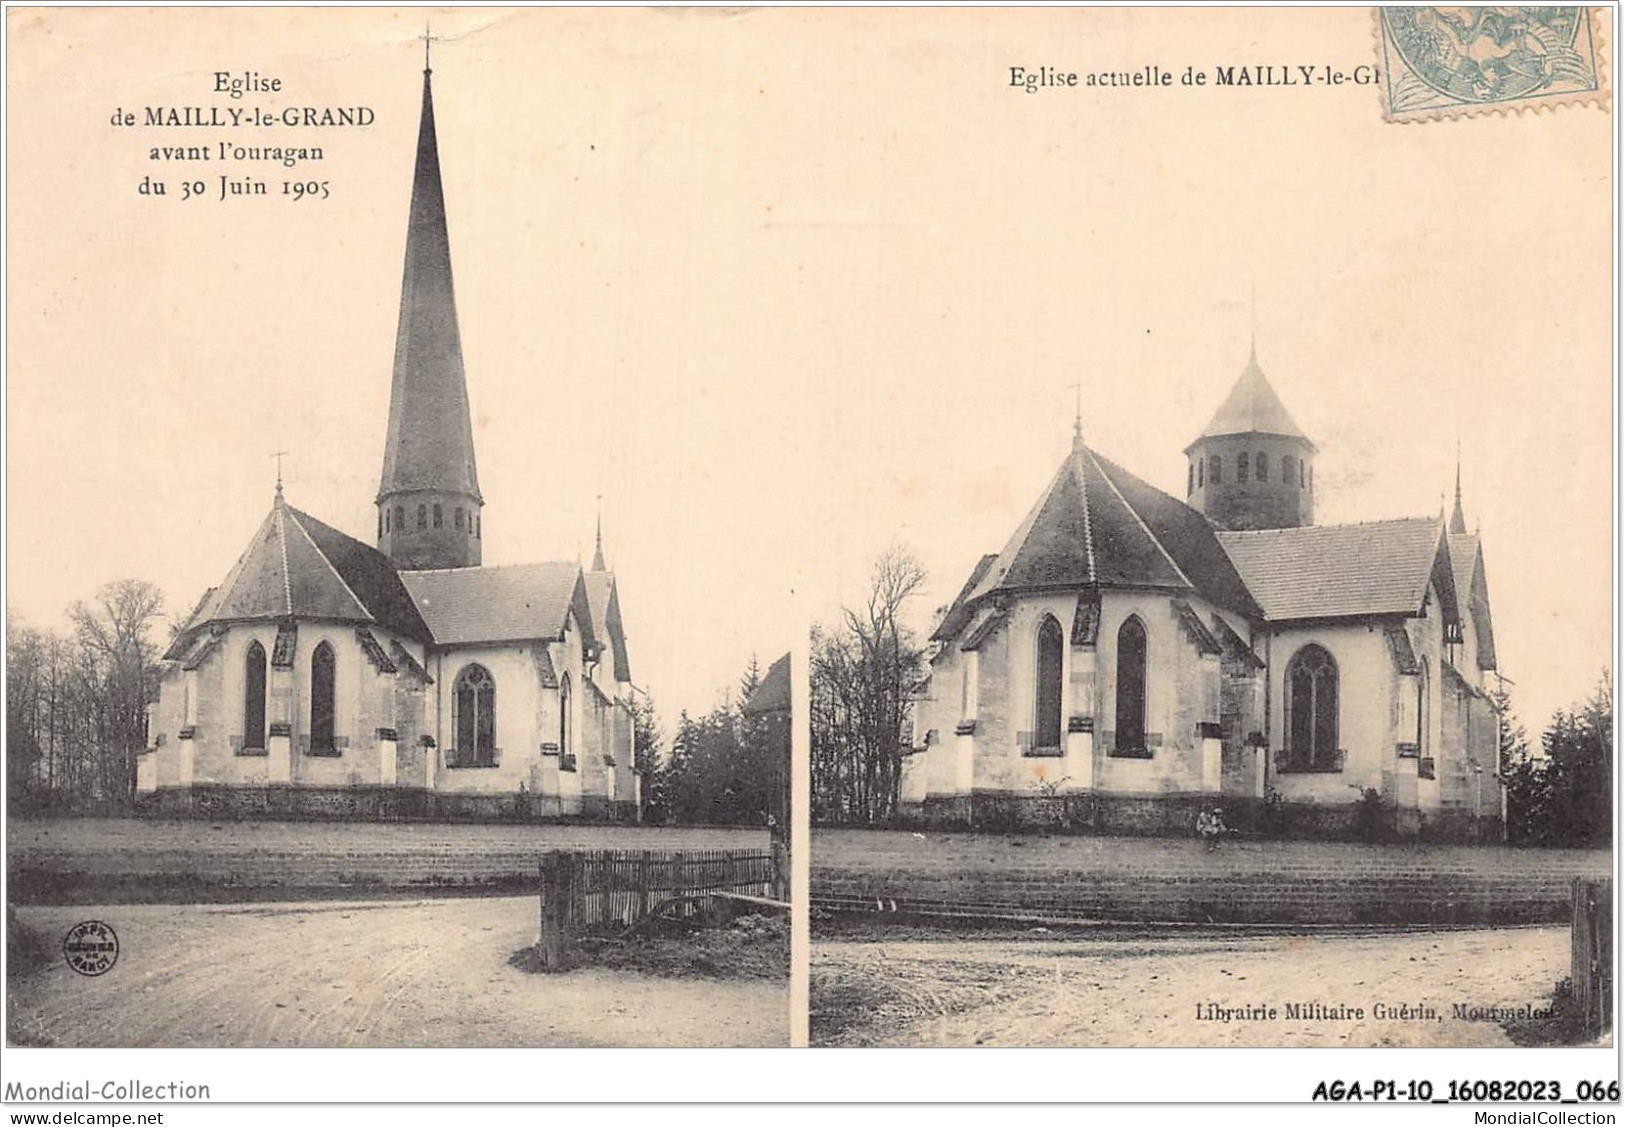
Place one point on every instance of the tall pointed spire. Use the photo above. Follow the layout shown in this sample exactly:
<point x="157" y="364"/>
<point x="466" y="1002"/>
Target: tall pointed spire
<point x="429" y="449"/>
<point x="598" y="545"/>
<point x="1458" y="519"/>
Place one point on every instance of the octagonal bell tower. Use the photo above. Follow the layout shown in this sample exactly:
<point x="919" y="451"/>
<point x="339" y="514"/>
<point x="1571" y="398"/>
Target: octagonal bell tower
<point x="1252" y="466"/>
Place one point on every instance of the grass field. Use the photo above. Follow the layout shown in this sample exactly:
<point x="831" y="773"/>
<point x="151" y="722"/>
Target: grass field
<point x="1310" y="883"/>
<point x="128" y="860"/>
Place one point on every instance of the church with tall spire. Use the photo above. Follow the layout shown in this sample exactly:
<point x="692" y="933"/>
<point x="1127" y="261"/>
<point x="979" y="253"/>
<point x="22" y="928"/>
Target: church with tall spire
<point x="325" y="675"/>
<point x="1131" y="660"/>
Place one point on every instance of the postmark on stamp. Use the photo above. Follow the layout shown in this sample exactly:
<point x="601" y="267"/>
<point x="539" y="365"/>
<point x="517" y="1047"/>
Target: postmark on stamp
<point x="91" y="948"/>
<point x="1455" y="62"/>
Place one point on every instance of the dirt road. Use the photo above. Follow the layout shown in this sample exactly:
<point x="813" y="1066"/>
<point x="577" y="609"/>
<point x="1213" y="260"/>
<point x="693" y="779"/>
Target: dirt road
<point x="402" y="973"/>
<point x="1148" y="989"/>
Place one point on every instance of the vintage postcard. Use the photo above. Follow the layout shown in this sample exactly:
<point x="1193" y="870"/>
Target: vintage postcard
<point x="1143" y="476"/>
<point x="363" y="595"/>
<point x="1217" y="648"/>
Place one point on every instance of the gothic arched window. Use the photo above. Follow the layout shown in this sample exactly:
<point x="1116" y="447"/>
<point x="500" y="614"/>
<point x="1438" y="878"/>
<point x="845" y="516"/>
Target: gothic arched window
<point x="457" y="518"/>
<point x="1241" y="467"/>
<point x="1300" y="473"/>
<point x="1190" y="478"/>
<point x="400" y="518"/>
<point x="322" y="720"/>
<point x="1286" y="469"/>
<point x="474" y="717"/>
<point x="1422" y="717"/>
<point x="1201" y="472"/>
<point x="1263" y="464"/>
<point x="254" y="697"/>
<point x="476" y="526"/>
<point x="423" y="517"/>
<point x="1047" y="685"/>
<point x="380" y="522"/>
<point x="1215" y="470"/>
<point x="437" y="521"/>
<point x="1131" y="670"/>
<point x="567" y="752"/>
<point x="386" y="518"/>
<point x="1311" y="710"/>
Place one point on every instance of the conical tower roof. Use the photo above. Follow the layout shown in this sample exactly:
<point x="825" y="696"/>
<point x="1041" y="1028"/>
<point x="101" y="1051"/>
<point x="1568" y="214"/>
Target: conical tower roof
<point x="1252" y="407"/>
<point x="430" y="444"/>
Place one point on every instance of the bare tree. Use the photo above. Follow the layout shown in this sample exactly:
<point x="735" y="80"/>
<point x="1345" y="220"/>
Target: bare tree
<point x="118" y="659"/>
<point x="865" y="674"/>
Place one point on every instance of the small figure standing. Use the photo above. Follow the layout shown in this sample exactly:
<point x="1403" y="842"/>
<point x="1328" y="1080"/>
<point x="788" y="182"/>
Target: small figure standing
<point x="1210" y="827"/>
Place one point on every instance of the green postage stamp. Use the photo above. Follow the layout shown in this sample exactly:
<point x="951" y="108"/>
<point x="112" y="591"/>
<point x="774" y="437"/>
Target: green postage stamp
<point x="1455" y="62"/>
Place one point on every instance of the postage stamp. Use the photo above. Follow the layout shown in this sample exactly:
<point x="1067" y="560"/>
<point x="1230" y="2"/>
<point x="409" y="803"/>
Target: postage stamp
<point x="1458" y="61"/>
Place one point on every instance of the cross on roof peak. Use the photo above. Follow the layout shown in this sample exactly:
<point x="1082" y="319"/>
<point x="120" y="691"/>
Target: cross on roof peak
<point x="278" y="455"/>
<point x="427" y="37"/>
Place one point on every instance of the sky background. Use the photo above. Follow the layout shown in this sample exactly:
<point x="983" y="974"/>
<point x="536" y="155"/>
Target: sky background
<point x="787" y="287"/>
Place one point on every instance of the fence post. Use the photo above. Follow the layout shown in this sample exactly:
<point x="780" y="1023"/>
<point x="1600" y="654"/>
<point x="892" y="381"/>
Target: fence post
<point x="643" y="886"/>
<point x="1591" y="956"/>
<point x="781" y="871"/>
<point x="557" y="940"/>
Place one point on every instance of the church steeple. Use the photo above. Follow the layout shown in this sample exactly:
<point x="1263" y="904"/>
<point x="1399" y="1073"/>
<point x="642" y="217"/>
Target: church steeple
<point x="1458" y="519"/>
<point x="429" y="494"/>
<point x="598" y="541"/>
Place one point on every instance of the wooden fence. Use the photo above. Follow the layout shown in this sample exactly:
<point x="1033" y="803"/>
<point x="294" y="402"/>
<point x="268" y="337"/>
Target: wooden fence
<point x="609" y="889"/>
<point x="1591" y="959"/>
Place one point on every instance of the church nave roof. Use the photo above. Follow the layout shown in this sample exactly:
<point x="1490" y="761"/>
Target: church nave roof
<point x="1345" y="570"/>
<point x="515" y="603"/>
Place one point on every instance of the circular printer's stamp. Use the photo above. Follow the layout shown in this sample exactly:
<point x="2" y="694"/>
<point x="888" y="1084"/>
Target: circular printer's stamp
<point x="91" y="948"/>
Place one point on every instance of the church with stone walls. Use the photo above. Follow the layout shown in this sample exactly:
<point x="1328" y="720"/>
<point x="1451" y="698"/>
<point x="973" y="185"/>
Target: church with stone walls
<point x="1131" y="659"/>
<point x="325" y="676"/>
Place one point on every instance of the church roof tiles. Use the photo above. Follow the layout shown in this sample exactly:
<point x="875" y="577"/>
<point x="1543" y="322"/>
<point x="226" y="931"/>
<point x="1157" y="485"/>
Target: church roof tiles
<point x="1252" y="407"/>
<point x="1472" y="590"/>
<point x="1100" y="526"/>
<point x="605" y="603"/>
<point x="773" y="694"/>
<point x="1344" y="570"/>
<point x="959" y="613"/>
<point x="522" y="602"/>
<point x="296" y="567"/>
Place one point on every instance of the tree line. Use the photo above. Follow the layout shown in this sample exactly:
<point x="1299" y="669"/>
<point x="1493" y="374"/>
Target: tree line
<point x="726" y="767"/>
<point x="1564" y="795"/>
<point x="76" y="702"/>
